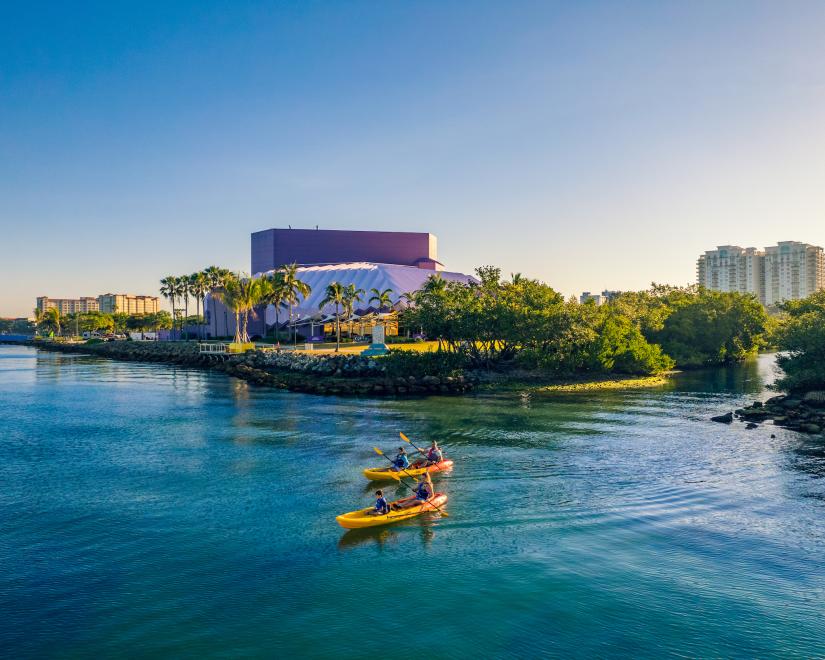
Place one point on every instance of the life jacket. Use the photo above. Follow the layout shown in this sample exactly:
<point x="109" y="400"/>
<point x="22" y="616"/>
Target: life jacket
<point x="422" y="491"/>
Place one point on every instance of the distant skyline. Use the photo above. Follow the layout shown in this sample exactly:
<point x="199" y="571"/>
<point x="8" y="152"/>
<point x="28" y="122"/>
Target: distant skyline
<point x="593" y="145"/>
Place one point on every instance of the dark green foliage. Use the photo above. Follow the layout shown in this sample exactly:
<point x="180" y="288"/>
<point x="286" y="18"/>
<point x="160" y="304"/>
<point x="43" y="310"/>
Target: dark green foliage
<point x="413" y="363"/>
<point x="497" y="322"/>
<point x="698" y="327"/>
<point x="802" y="336"/>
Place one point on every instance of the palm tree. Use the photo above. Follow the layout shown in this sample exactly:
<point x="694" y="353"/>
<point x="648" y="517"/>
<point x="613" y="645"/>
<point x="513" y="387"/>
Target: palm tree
<point x="434" y="284"/>
<point x="334" y="295"/>
<point x="240" y="293"/>
<point x="214" y="278"/>
<point x="229" y="294"/>
<point x="50" y="320"/>
<point x="294" y="288"/>
<point x="169" y="290"/>
<point x="383" y="299"/>
<point x="197" y="286"/>
<point x="38" y="317"/>
<point x="274" y="292"/>
<point x="351" y="296"/>
<point x="409" y="300"/>
<point x="184" y="292"/>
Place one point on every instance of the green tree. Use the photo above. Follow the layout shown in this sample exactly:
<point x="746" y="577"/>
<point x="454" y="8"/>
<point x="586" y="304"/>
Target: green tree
<point x="295" y="288"/>
<point x="335" y="294"/>
<point x="275" y="292"/>
<point x="198" y="286"/>
<point x="50" y="321"/>
<point x="352" y="295"/>
<point x="802" y="339"/>
<point x="240" y="294"/>
<point x="215" y="277"/>
<point x="170" y="289"/>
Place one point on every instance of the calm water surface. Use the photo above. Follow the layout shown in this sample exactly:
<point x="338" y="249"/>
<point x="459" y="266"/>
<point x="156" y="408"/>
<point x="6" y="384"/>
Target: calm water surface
<point x="149" y="510"/>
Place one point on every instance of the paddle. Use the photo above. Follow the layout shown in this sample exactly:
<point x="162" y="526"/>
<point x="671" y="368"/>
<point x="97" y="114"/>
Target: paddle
<point x="406" y="439"/>
<point x="435" y="506"/>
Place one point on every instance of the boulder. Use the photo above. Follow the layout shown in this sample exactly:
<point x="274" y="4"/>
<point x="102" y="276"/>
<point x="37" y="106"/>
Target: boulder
<point x="727" y="418"/>
<point x="815" y="398"/>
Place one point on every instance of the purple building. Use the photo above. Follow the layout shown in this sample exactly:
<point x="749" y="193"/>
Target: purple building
<point x="273" y="248"/>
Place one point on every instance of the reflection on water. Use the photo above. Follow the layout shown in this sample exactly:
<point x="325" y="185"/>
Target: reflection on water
<point x="180" y="512"/>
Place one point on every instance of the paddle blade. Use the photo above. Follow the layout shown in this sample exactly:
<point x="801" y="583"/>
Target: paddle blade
<point x="378" y="451"/>
<point x="404" y="438"/>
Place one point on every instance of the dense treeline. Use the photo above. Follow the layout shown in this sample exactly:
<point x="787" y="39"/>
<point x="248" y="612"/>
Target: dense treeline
<point x="523" y="322"/>
<point x="51" y="322"/>
<point x="801" y="335"/>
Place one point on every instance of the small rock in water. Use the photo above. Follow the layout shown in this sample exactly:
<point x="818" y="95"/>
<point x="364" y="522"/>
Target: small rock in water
<point x="751" y="425"/>
<point x="727" y="418"/>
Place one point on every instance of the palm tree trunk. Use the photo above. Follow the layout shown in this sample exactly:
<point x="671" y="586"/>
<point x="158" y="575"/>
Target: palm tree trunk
<point x="337" y="329"/>
<point x="198" y="314"/>
<point x="237" y="326"/>
<point x="277" y="334"/>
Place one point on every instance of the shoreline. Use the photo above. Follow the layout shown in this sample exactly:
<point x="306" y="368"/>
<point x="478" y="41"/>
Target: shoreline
<point x="339" y="374"/>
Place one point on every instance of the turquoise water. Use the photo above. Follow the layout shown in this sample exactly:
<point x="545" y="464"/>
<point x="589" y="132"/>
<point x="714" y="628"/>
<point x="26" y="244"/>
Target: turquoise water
<point x="149" y="510"/>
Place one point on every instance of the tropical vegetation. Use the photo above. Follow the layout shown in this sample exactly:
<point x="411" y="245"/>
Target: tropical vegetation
<point x="521" y="322"/>
<point x="801" y="337"/>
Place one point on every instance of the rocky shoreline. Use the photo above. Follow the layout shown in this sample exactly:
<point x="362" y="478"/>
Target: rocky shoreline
<point x="339" y="374"/>
<point x="798" y="412"/>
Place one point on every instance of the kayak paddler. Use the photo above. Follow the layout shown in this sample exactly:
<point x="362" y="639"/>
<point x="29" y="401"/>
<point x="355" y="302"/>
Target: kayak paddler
<point x="434" y="454"/>
<point x="422" y="492"/>
<point x="381" y="505"/>
<point x="402" y="461"/>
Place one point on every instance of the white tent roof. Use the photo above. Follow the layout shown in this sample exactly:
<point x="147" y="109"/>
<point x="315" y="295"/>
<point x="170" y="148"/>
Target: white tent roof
<point x="364" y="275"/>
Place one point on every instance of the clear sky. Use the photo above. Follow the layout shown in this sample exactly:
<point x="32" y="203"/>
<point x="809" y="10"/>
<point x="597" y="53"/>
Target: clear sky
<point x="589" y="144"/>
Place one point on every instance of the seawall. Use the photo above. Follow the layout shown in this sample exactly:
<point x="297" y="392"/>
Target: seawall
<point x="340" y="374"/>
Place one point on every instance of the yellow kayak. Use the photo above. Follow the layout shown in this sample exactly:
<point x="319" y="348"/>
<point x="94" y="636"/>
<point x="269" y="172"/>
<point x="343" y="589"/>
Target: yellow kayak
<point x="388" y="473"/>
<point x="362" y="517"/>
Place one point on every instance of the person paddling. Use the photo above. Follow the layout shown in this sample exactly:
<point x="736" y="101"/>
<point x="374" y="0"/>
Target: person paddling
<point x="402" y="461"/>
<point x="381" y="505"/>
<point x="422" y="492"/>
<point x="434" y="454"/>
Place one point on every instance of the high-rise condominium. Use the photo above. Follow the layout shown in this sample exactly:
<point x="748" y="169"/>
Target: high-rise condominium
<point x="786" y="271"/>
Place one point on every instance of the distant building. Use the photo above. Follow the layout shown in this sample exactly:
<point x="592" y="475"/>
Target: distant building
<point x="273" y="248"/>
<point x="786" y="271"/>
<point x="793" y="271"/>
<point x="598" y="298"/>
<point x="68" y="305"/>
<point x="108" y="303"/>
<point x="126" y="304"/>
<point x="590" y="297"/>
<point x="399" y="261"/>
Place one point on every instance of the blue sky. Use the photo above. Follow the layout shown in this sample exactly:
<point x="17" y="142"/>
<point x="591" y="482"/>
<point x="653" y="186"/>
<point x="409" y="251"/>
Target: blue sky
<point x="588" y="144"/>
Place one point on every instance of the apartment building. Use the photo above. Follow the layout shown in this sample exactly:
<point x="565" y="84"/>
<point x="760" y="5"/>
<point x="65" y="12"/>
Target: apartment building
<point x="68" y="305"/>
<point x="792" y="271"/>
<point x="126" y="304"/>
<point x="599" y="298"/>
<point x="108" y="303"/>
<point x="786" y="271"/>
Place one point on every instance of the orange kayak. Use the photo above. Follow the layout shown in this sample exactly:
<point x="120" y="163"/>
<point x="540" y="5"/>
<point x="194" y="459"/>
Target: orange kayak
<point x="388" y="473"/>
